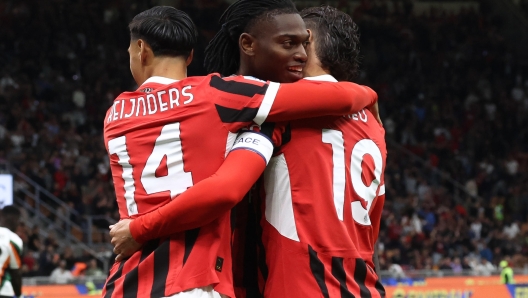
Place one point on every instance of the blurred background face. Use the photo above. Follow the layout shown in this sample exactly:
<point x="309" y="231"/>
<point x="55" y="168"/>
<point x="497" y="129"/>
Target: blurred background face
<point x="280" y="55"/>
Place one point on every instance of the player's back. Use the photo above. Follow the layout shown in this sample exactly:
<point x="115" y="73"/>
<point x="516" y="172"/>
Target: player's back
<point x="162" y="139"/>
<point x="318" y="233"/>
<point x="10" y="258"/>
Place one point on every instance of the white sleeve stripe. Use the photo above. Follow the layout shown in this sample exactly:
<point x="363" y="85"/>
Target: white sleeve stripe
<point x="253" y="150"/>
<point x="382" y="190"/>
<point x="255" y="142"/>
<point x="267" y="103"/>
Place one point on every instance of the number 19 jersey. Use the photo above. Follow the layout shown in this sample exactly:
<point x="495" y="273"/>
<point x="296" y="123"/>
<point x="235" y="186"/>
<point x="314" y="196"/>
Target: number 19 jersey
<point x="162" y="139"/>
<point x="319" y="226"/>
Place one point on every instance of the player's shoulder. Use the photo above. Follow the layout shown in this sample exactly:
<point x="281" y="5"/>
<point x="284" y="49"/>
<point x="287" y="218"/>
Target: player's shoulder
<point x="218" y="79"/>
<point x="194" y="80"/>
<point x="9" y="236"/>
<point x="17" y="240"/>
<point x="4" y="232"/>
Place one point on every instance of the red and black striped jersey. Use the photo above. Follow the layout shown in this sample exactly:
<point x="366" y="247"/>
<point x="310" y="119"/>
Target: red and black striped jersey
<point x="161" y="140"/>
<point x="168" y="136"/>
<point x="318" y="224"/>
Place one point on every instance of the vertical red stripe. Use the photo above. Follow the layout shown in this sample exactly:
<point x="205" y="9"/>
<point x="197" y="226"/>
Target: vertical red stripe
<point x="176" y="260"/>
<point x="129" y="265"/>
<point x="146" y="276"/>
<point x="350" y="269"/>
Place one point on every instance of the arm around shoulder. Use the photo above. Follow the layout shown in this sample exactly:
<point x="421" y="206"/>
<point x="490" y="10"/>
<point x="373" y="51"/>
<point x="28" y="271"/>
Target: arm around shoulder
<point x="307" y="99"/>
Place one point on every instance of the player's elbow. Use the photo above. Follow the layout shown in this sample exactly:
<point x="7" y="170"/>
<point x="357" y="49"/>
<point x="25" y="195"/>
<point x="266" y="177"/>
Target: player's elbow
<point x="347" y="106"/>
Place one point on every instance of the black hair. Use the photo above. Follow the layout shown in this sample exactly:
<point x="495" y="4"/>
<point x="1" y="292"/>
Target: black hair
<point x="10" y="216"/>
<point x="222" y="55"/>
<point x="168" y="31"/>
<point x="337" y="40"/>
<point x="11" y="210"/>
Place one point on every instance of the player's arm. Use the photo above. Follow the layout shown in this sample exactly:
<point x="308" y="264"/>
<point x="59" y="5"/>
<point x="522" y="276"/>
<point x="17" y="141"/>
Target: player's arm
<point x="15" y="262"/>
<point x="307" y="99"/>
<point x="16" y="281"/>
<point x="211" y="197"/>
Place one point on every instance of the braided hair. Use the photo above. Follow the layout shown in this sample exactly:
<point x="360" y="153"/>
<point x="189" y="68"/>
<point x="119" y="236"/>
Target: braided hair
<point x="222" y="55"/>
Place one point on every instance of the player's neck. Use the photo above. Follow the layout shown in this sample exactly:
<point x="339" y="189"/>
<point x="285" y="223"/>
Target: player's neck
<point x="169" y="67"/>
<point x="245" y="70"/>
<point x="315" y="72"/>
<point x="12" y="228"/>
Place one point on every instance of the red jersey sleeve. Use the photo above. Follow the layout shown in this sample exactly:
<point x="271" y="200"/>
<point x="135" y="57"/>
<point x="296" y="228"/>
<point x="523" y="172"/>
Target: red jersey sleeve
<point x="242" y="100"/>
<point x="237" y="99"/>
<point x="211" y="197"/>
<point x="309" y="99"/>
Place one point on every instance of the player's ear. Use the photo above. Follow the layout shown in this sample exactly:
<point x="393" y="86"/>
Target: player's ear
<point x="247" y="44"/>
<point x="190" y="58"/>
<point x="310" y="32"/>
<point x="145" y="51"/>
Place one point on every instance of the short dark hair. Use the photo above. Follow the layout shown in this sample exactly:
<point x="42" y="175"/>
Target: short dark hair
<point x="10" y="211"/>
<point x="222" y="55"/>
<point x="337" y="40"/>
<point x="167" y="30"/>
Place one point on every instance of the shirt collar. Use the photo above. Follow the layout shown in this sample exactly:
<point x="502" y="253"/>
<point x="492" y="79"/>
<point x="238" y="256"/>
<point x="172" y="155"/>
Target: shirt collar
<point x="159" y="80"/>
<point x="325" y="77"/>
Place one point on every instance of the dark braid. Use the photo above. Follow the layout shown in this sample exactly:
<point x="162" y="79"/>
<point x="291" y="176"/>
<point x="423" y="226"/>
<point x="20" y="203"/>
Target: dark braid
<point x="222" y="55"/>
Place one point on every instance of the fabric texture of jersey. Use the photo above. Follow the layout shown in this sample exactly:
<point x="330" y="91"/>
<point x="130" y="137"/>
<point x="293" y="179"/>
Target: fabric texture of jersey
<point x="162" y="139"/>
<point x="10" y="258"/>
<point x="319" y="226"/>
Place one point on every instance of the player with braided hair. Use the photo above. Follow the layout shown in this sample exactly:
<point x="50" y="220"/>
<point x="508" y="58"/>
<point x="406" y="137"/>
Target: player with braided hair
<point x="277" y="34"/>
<point x="222" y="55"/>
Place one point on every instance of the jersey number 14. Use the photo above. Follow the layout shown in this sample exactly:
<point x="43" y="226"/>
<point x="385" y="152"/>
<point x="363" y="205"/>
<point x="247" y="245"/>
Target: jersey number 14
<point x="167" y="144"/>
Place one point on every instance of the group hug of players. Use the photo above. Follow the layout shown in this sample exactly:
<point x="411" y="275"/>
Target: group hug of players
<point x="262" y="179"/>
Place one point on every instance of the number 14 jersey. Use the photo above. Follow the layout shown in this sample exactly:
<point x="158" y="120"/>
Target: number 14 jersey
<point x="322" y="196"/>
<point x="162" y="139"/>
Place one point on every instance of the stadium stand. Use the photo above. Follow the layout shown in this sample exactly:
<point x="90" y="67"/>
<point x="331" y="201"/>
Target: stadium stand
<point x="453" y="97"/>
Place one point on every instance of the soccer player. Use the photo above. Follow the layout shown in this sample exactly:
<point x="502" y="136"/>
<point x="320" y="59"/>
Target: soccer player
<point x="321" y="207"/>
<point x="10" y="253"/>
<point x="175" y="131"/>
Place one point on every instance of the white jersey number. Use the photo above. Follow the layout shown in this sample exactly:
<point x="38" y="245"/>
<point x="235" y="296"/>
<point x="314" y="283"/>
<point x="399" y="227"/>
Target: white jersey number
<point x="167" y="144"/>
<point x="366" y="193"/>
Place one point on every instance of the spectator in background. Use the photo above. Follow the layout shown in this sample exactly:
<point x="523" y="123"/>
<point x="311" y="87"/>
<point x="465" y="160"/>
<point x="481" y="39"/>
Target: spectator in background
<point x="93" y="270"/>
<point x="68" y="257"/>
<point x="34" y="243"/>
<point x="506" y="273"/>
<point x="48" y="260"/>
<point x="484" y="268"/>
<point x="396" y="271"/>
<point x="61" y="275"/>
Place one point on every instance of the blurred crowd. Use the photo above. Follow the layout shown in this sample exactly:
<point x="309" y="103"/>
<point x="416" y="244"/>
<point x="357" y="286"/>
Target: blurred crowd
<point x="523" y="4"/>
<point x="452" y="96"/>
<point x="43" y="256"/>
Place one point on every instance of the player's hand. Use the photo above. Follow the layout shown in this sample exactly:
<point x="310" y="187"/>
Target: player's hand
<point x="122" y="240"/>
<point x="374" y="109"/>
